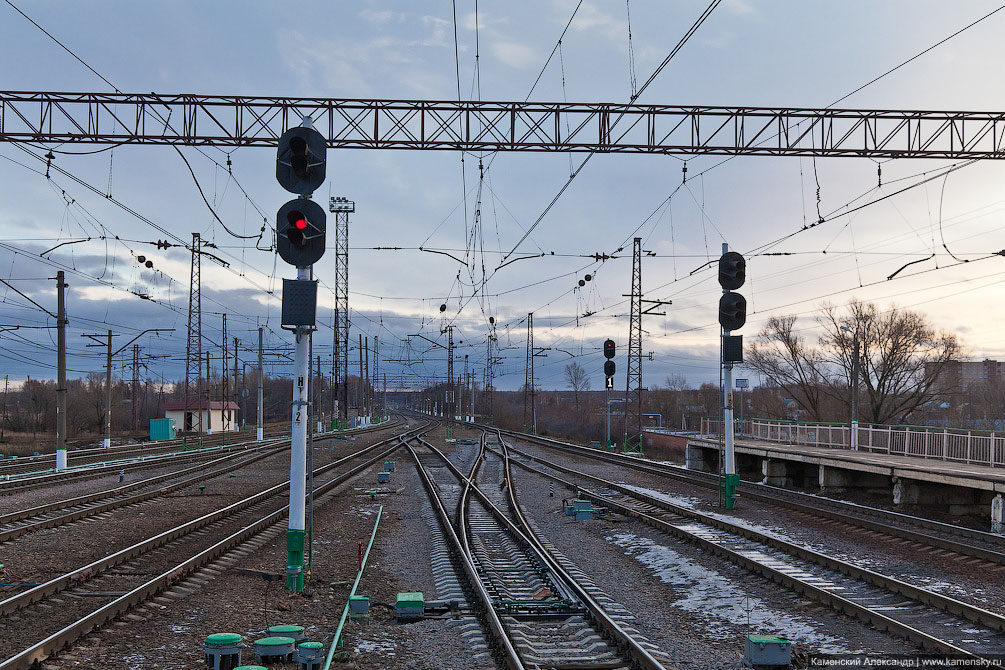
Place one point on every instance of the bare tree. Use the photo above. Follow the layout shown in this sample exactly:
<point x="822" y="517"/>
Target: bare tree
<point x="902" y="358"/>
<point x="785" y="359"/>
<point x="575" y="375"/>
<point x="901" y="362"/>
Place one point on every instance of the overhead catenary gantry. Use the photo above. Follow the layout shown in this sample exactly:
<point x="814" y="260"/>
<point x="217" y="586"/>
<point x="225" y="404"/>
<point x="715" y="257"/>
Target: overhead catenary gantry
<point x="40" y="116"/>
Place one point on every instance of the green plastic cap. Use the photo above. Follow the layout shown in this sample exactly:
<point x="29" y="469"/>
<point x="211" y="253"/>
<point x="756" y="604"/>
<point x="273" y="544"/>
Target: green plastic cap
<point x="274" y="641"/>
<point x="251" y="667"/>
<point x="223" y="639"/>
<point x="285" y="628"/>
<point x="311" y="645"/>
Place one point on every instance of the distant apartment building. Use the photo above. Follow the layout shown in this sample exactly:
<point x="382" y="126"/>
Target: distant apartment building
<point x="960" y="375"/>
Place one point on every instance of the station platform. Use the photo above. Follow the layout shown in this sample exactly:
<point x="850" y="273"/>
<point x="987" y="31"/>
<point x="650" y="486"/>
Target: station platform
<point x="912" y="482"/>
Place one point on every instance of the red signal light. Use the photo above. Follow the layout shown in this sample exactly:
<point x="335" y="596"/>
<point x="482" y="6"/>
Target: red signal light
<point x="300" y="223"/>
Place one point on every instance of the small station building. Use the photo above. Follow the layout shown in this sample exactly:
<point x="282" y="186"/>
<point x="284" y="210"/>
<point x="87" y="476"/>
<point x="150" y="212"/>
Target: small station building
<point x="217" y="416"/>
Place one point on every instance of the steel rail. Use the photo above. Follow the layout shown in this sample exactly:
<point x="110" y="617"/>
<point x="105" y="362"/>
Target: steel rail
<point x="848" y="513"/>
<point x="929" y="598"/>
<point x="57" y="641"/>
<point x="491" y="617"/>
<point x="117" y="451"/>
<point x="117" y="502"/>
<point x="639" y="654"/>
<point x="96" y="471"/>
<point x="61" y="582"/>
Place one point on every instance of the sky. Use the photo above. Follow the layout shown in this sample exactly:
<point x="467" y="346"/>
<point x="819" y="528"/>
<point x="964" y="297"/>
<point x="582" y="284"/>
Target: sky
<point x="748" y="53"/>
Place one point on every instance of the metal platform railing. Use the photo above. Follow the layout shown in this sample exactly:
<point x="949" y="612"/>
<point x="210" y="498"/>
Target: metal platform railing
<point x="976" y="447"/>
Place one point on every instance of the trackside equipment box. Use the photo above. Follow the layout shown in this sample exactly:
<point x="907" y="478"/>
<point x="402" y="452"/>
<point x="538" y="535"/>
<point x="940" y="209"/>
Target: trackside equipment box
<point x="162" y="429"/>
<point x="767" y="651"/>
<point x="409" y="606"/>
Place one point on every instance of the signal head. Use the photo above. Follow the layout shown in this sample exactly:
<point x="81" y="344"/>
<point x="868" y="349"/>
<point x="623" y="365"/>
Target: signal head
<point x="609" y="349"/>
<point x="732" y="270"/>
<point x="300" y="160"/>
<point x="300" y="230"/>
<point x="732" y="311"/>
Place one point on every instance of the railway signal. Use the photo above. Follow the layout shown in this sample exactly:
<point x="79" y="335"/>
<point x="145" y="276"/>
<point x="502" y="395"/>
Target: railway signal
<point x="300" y="241"/>
<point x="300" y="232"/>
<point x="732" y="316"/>
<point x="609" y="368"/>
<point x="300" y="160"/>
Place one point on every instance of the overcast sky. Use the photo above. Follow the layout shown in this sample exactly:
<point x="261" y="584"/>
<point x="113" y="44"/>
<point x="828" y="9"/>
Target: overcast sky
<point x="748" y="53"/>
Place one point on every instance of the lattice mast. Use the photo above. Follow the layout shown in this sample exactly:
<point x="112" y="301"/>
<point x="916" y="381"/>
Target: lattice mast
<point x="193" y="346"/>
<point x="633" y="389"/>
<point x="342" y="208"/>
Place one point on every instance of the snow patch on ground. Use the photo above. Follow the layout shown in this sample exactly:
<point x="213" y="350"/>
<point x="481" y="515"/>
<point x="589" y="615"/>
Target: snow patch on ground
<point x="714" y="596"/>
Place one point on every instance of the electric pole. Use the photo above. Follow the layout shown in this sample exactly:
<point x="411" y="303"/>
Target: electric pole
<point x="223" y="376"/>
<point x="261" y="388"/>
<point x="193" y="343"/>
<point x="633" y="387"/>
<point x="61" y="287"/>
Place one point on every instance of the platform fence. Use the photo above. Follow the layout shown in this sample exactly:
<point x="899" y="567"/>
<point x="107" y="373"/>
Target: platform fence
<point x="977" y="447"/>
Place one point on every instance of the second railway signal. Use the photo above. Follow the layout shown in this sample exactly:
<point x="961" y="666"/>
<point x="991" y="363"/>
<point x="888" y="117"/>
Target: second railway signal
<point x="609" y="349"/>
<point x="300" y="232"/>
<point x="300" y="160"/>
<point x="732" y="311"/>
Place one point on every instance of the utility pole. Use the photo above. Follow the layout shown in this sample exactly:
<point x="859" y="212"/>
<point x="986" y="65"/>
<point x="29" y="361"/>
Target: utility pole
<point x="342" y="208"/>
<point x="633" y="388"/>
<point x="854" y="385"/>
<point x="376" y="379"/>
<point x="261" y="388"/>
<point x="360" y="392"/>
<point x="61" y="287"/>
<point x="223" y="376"/>
<point x="317" y="394"/>
<point x="193" y="343"/>
<point x="108" y="393"/>
<point x="464" y="385"/>
<point x="135" y="381"/>
<point x="530" y="384"/>
<point x="105" y="341"/>
<point x="3" y="420"/>
<point x="234" y="420"/>
<point x="209" y="398"/>
<point x="451" y="410"/>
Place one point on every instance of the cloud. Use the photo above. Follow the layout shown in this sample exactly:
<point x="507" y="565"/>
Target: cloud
<point x="740" y="7"/>
<point x="384" y="16"/>
<point x="514" y="54"/>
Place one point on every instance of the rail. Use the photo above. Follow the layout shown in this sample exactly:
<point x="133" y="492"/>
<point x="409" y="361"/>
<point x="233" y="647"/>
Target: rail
<point x="355" y="585"/>
<point x="943" y="444"/>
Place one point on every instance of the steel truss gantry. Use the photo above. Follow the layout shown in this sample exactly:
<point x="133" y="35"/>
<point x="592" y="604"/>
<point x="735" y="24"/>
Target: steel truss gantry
<point x="186" y="119"/>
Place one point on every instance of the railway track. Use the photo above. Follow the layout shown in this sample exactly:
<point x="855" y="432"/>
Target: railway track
<point x="21" y="522"/>
<point x="931" y="620"/>
<point x="966" y="542"/>
<point x="24" y="483"/>
<point x="91" y="455"/>
<point x="539" y="611"/>
<point x="63" y="609"/>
